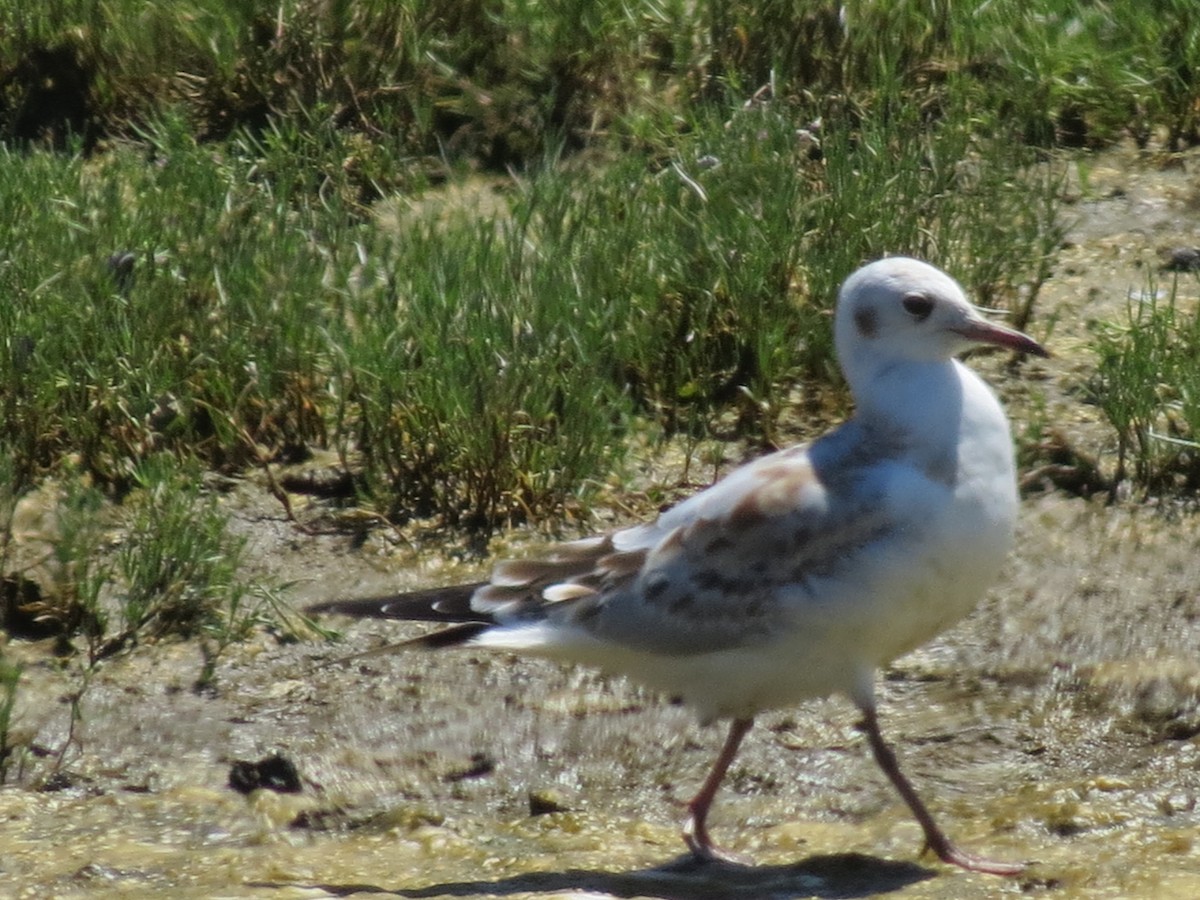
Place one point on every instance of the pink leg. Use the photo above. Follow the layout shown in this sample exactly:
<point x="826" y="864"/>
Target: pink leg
<point x="935" y="838"/>
<point x="695" y="831"/>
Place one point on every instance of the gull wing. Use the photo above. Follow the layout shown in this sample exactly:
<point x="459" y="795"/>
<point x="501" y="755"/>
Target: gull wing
<point x="725" y="567"/>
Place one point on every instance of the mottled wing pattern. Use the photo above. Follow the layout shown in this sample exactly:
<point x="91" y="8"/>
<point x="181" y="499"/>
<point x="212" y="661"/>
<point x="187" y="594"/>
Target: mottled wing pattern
<point x="737" y="574"/>
<point x="575" y="575"/>
<point x="717" y="571"/>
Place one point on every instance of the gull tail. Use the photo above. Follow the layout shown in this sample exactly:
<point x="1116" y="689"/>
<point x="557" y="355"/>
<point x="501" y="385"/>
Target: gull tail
<point x="447" y="605"/>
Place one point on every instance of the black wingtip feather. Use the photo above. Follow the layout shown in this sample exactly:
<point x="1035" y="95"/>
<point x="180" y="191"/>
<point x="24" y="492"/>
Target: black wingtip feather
<point x="448" y="604"/>
<point x="451" y="637"/>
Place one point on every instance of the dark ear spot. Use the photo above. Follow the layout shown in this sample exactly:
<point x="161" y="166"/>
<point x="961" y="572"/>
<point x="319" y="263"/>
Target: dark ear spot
<point x="866" y="322"/>
<point x="918" y="306"/>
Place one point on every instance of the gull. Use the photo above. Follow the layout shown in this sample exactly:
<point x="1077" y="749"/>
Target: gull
<point x="801" y="573"/>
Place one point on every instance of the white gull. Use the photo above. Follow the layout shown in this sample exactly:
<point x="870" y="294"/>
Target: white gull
<point x="803" y="572"/>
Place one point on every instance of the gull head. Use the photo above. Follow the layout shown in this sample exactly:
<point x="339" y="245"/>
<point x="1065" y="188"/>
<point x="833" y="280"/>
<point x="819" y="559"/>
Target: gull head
<point x="899" y="310"/>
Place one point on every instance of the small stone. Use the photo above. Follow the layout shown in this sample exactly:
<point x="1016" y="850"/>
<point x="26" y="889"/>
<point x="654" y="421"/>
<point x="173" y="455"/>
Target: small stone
<point x="1183" y="727"/>
<point x="275" y="773"/>
<point x="1181" y="259"/>
<point x="480" y="765"/>
<point x="547" y="800"/>
<point x="1107" y="784"/>
<point x="1178" y="802"/>
<point x="1157" y="700"/>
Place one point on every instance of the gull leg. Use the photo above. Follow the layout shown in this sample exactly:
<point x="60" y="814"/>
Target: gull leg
<point x="935" y="839"/>
<point x="695" y="829"/>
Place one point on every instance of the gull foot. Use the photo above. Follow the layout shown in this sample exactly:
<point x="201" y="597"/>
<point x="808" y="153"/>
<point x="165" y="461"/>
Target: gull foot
<point x="706" y="852"/>
<point x="948" y="853"/>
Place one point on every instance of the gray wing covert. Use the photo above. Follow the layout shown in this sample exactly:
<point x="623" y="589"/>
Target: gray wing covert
<point x="731" y="573"/>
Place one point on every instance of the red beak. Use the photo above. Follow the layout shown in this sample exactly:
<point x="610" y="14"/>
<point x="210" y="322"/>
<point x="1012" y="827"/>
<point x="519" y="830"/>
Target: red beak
<point x="982" y="331"/>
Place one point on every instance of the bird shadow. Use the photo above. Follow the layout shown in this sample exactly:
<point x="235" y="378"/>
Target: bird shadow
<point x="830" y="877"/>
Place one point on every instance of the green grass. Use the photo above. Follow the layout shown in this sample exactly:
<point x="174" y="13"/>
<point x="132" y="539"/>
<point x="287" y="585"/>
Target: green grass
<point x="161" y="565"/>
<point x="481" y="367"/>
<point x="1085" y="74"/>
<point x="98" y="364"/>
<point x="1148" y="386"/>
<point x="499" y="81"/>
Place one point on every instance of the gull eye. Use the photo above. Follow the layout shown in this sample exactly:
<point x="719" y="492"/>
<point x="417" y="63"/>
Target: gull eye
<point x="918" y="306"/>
